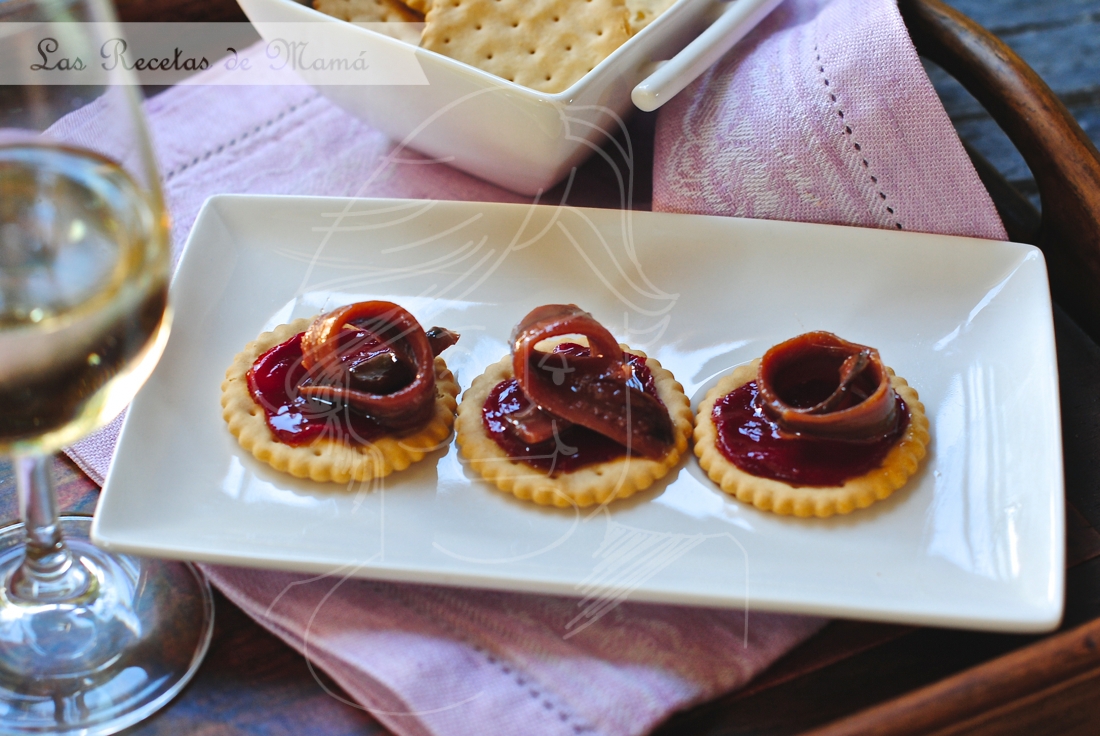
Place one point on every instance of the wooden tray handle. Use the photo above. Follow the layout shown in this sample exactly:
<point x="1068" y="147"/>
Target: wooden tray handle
<point x="1042" y="688"/>
<point x="1064" y="162"/>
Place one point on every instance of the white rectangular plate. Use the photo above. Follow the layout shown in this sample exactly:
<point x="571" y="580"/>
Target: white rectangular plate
<point x="974" y="540"/>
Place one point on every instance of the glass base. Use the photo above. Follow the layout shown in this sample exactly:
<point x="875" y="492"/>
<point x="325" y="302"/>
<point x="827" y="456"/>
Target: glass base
<point x="107" y="659"/>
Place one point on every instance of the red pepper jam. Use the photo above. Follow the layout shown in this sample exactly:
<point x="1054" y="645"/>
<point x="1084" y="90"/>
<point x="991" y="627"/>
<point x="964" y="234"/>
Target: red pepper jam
<point x="572" y="448"/>
<point x="296" y="420"/>
<point x="752" y="442"/>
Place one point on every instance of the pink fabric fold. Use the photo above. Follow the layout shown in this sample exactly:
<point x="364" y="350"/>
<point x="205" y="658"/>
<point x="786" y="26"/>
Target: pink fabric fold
<point x="823" y="114"/>
<point x="432" y="660"/>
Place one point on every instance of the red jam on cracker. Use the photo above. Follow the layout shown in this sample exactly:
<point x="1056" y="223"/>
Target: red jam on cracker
<point x="818" y="426"/>
<point x="555" y="444"/>
<point x="571" y="418"/>
<point x="820" y="411"/>
<point x="356" y="373"/>
<point x="577" y="405"/>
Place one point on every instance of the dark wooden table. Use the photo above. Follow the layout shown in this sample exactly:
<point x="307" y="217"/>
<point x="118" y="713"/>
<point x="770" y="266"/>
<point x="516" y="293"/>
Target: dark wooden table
<point x="1060" y="40"/>
<point x="251" y="683"/>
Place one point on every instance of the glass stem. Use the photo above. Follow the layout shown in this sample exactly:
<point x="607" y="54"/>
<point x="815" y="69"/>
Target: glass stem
<point x="48" y="573"/>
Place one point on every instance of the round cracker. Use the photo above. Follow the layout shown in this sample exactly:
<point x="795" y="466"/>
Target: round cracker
<point x="768" y="494"/>
<point x="326" y="459"/>
<point x="592" y="484"/>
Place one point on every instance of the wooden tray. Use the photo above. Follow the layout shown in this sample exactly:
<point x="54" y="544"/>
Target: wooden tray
<point x="853" y="677"/>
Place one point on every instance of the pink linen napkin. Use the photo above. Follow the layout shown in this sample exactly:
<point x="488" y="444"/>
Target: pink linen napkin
<point x="823" y="114"/>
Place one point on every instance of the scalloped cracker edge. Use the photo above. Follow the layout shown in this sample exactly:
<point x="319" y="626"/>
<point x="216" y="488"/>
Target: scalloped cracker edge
<point x="326" y="460"/>
<point x="778" y="497"/>
<point x="593" y="484"/>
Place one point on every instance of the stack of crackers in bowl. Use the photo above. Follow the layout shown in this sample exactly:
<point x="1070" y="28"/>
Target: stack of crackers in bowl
<point x="544" y="45"/>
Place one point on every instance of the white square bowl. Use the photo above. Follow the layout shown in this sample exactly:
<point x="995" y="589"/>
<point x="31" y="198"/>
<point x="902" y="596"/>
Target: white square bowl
<point x="521" y="139"/>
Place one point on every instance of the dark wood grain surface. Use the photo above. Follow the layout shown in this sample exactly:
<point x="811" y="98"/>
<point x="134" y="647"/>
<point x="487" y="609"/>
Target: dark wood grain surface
<point x="253" y="684"/>
<point x="1060" y="40"/>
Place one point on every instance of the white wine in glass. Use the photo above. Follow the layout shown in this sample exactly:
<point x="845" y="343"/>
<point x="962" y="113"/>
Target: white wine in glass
<point x="83" y="293"/>
<point x="90" y="642"/>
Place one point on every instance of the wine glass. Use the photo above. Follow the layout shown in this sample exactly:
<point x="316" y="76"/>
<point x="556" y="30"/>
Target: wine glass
<point x="90" y="642"/>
